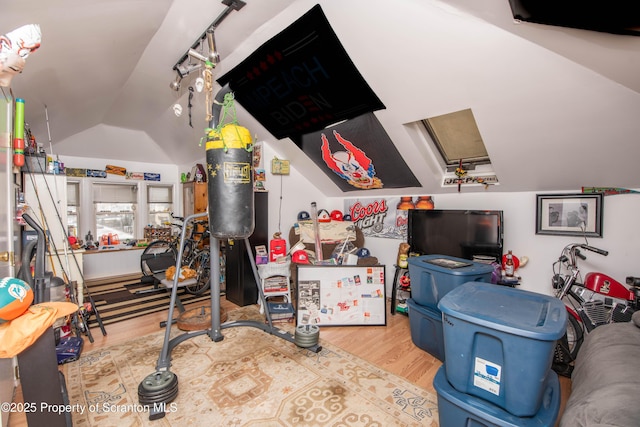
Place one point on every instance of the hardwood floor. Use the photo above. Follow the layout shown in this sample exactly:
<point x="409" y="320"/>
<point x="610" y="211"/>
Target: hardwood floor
<point x="390" y="347"/>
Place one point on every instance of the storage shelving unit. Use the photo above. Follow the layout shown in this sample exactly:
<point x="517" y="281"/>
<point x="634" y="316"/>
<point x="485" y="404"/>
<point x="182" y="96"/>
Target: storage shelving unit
<point x="275" y="279"/>
<point x="399" y="292"/>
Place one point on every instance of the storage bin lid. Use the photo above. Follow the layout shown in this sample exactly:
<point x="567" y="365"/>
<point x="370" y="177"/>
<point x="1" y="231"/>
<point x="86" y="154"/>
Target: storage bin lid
<point x="450" y="265"/>
<point x="506" y="309"/>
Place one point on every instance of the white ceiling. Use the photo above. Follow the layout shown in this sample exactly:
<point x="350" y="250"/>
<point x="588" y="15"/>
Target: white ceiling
<point x="558" y="108"/>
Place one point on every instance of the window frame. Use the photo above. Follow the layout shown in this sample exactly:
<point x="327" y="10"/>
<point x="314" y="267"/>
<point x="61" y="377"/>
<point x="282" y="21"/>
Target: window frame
<point x="103" y="195"/>
<point x="462" y="124"/>
<point x="152" y="200"/>
<point x="76" y="211"/>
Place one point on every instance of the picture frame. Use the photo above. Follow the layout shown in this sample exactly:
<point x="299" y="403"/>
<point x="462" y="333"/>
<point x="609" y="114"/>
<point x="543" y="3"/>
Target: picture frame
<point x="341" y="295"/>
<point x="569" y="214"/>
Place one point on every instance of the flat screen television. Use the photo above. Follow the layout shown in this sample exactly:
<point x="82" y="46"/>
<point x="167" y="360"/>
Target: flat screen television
<point x="458" y="233"/>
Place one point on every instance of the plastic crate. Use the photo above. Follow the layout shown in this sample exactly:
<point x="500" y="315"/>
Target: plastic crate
<point x="157" y="233"/>
<point x="499" y="343"/>
<point x="460" y="409"/>
<point x="433" y="276"/>
<point x="35" y="164"/>
<point x="426" y="329"/>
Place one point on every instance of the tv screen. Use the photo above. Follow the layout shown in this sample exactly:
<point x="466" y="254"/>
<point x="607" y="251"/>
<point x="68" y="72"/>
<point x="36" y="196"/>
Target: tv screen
<point x="613" y="16"/>
<point x="458" y="233"/>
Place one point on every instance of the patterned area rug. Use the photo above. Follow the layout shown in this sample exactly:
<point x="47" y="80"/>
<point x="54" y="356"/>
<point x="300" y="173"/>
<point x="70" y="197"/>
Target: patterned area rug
<point x="250" y="378"/>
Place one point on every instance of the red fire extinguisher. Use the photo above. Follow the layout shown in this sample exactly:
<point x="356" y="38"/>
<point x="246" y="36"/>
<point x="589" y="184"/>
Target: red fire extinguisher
<point x="277" y="247"/>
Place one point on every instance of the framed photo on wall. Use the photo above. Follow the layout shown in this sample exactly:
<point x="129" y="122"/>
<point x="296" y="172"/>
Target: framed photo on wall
<point x="570" y="214"/>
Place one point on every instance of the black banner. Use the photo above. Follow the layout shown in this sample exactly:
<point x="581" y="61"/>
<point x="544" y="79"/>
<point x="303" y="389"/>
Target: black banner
<point x="359" y="155"/>
<point x="301" y="80"/>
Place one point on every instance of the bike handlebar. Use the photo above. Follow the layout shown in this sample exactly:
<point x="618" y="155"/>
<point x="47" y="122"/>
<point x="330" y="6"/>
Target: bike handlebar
<point x="572" y="251"/>
<point x="179" y="218"/>
<point x="596" y="250"/>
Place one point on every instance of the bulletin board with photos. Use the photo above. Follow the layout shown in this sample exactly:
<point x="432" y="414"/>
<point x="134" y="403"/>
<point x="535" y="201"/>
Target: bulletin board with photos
<point x="341" y="295"/>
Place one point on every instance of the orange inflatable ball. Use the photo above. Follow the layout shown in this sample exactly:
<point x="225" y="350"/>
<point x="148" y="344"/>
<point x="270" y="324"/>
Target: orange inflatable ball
<point x="15" y="297"/>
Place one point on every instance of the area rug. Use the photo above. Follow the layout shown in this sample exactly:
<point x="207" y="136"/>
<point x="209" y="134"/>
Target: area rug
<point x="120" y="301"/>
<point x="250" y="378"/>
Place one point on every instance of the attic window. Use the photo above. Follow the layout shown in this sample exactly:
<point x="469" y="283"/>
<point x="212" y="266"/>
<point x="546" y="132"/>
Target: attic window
<point x="456" y="137"/>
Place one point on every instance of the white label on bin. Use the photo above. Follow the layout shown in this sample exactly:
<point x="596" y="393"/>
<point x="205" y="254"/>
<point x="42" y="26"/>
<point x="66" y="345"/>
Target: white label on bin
<point x="486" y="375"/>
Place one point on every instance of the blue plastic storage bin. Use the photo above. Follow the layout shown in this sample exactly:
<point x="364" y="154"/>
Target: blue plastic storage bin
<point x="426" y="329"/>
<point x="433" y="276"/>
<point x="460" y="409"/>
<point x="499" y="343"/>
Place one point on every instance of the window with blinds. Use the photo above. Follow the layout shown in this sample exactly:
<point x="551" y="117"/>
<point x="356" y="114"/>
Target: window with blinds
<point x="73" y="208"/>
<point x="115" y="209"/>
<point x="159" y="204"/>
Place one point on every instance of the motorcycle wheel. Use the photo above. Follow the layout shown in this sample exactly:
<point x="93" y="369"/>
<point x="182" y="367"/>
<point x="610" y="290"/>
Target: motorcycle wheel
<point x="575" y="335"/>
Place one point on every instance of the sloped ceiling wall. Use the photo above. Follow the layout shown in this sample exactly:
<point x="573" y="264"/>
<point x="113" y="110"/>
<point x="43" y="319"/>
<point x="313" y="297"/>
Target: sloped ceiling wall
<point x="557" y="108"/>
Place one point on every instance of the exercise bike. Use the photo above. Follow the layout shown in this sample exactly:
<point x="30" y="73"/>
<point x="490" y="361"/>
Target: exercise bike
<point x="596" y="301"/>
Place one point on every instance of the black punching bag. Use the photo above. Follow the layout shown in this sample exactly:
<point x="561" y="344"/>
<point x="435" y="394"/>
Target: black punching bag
<point x="230" y="179"/>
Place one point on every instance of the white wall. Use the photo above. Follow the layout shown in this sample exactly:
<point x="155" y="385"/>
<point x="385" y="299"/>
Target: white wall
<point x="621" y="236"/>
<point x="621" y="230"/>
<point x="293" y="193"/>
<point x="100" y="264"/>
<point x="289" y="194"/>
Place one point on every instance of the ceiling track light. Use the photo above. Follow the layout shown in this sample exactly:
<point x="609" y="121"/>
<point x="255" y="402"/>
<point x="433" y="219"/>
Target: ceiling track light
<point x="197" y="55"/>
<point x="175" y="85"/>
<point x="213" y="56"/>
<point x="188" y="68"/>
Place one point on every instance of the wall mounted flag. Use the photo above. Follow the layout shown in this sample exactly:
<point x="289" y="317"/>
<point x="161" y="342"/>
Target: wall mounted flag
<point x="359" y="155"/>
<point x="608" y="191"/>
<point x="301" y="80"/>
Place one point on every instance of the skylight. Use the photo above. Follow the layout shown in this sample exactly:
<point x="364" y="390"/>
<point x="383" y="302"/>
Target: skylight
<point x="455" y="140"/>
<point x="456" y="137"/>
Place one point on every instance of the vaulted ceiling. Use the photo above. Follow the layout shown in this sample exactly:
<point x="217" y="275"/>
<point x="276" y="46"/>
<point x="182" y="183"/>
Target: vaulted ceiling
<point x="557" y="107"/>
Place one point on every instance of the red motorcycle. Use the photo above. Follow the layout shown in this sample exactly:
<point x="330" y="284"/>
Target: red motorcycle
<point x="597" y="300"/>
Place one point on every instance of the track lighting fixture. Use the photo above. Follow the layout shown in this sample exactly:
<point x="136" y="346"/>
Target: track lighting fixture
<point x="197" y="55"/>
<point x="207" y="58"/>
<point x="213" y="56"/>
<point x="175" y="85"/>
<point x="188" y="68"/>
